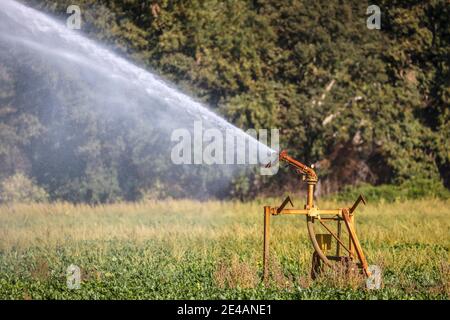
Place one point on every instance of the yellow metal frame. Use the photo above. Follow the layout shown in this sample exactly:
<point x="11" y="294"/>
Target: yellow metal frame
<point x="314" y="214"/>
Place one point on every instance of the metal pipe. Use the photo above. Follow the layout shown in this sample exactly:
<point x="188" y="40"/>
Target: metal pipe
<point x="312" y="176"/>
<point x="310" y="196"/>
<point x="350" y="242"/>
<point x="349" y="222"/>
<point x="312" y="237"/>
<point x="338" y="244"/>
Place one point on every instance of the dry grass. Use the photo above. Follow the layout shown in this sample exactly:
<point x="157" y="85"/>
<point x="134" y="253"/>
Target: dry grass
<point x="277" y="276"/>
<point x="342" y="276"/>
<point x="236" y="274"/>
<point x="410" y="239"/>
<point x="40" y="271"/>
<point x="445" y="277"/>
<point x="22" y="225"/>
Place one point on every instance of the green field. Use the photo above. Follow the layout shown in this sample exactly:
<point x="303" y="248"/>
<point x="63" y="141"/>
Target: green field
<point x="212" y="250"/>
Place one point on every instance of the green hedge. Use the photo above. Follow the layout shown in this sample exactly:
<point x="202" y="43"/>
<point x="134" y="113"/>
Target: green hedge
<point x="412" y="189"/>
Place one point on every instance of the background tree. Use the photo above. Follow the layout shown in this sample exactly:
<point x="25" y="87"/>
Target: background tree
<point x="363" y="105"/>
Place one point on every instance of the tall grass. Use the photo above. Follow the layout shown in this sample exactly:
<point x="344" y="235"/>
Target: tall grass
<point x="189" y="249"/>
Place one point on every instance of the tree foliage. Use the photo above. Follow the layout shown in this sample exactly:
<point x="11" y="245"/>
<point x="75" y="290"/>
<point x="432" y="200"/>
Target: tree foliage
<point x="18" y="188"/>
<point x="363" y="105"/>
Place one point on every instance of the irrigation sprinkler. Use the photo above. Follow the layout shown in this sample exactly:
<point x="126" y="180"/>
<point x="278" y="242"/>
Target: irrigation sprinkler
<point x="348" y="250"/>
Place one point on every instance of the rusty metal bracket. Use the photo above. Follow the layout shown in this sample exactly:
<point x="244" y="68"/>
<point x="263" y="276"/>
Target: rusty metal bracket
<point x="285" y="202"/>
<point x="360" y="198"/>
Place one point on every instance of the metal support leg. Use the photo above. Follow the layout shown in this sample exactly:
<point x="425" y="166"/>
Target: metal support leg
<point x="339" y="232"/>
<point x="354" y="239"/>
<point x="350" y="242"/>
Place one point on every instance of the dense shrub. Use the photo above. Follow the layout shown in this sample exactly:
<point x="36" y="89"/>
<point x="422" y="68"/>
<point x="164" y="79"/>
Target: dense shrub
<point x="411" y="189"/>
<point x="20" y="188"/>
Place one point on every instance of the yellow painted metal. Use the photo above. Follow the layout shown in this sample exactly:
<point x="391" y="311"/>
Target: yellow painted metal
<point x="314" y="211"/>
<point x="352" y="234"/>
<point x="310" y="195"/>
<point x="350" y="242"/>
<point x="321" y="242"/>
<point x="338" y="239"/>
<point x="324" y="240"/>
